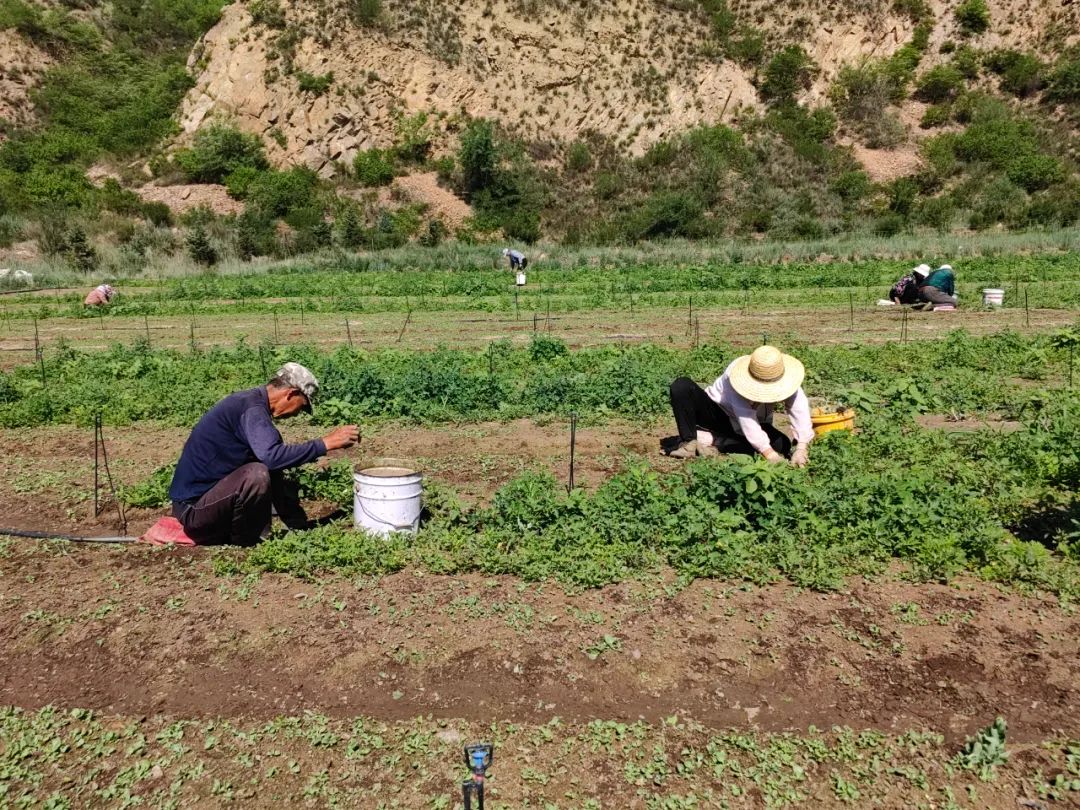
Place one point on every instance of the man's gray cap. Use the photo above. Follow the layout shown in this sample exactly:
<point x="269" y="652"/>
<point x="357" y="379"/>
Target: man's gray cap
<point x="297" y="376"/>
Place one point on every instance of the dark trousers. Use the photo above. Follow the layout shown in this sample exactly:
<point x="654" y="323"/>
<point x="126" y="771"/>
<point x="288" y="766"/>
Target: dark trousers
<point x="694" y="409"/>
<point x="932" y="295"/>
<point x="238" y="508"/>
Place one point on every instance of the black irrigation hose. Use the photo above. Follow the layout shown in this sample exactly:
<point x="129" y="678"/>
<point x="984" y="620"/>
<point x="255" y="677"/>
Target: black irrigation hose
<point x="69" y="537"/>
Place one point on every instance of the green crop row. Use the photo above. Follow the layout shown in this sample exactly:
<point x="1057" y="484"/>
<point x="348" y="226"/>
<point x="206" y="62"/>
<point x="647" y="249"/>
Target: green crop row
<point x="1000" y="506"/>
<point x="957" y="374"/>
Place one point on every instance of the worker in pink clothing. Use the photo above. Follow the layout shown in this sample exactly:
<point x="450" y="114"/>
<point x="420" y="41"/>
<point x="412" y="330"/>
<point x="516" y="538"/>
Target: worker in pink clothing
<point x="101" y="294"/>
<point x="737" y="409"/>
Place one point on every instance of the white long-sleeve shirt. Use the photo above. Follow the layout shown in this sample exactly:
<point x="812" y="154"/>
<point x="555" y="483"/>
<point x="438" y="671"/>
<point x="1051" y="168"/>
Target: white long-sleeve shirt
<point x="748" y="417"/>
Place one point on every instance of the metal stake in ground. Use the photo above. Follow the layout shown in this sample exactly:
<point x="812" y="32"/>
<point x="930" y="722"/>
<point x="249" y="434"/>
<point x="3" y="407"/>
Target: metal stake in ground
<point x="348" y="332"/>
<point x="146" y="323"/>
<point x="100" y="438"/>
<point x="1027" y="310"/>
<point x="851" y="311"/>
<point x="404" y="326"/>
<point x="573" y="449"/>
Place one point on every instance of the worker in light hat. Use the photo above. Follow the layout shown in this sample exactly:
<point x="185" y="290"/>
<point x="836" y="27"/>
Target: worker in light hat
<point x="737" y="409"/>
<point x="229" y="476"/>
<point x="938" y="288"/>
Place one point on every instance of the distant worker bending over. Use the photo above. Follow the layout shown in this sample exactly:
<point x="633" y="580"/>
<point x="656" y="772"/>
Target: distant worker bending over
<point x="906" y="290"/>
<point x="101" y="294"/>
<point x="517" y="259"/>
<point x="737" y="409"/>
<point x="230" y="472"/>
<point x="938" y="287"/>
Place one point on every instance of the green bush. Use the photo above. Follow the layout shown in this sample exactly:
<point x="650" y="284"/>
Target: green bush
<point x="788" y="72"/>
<point x="968" y="61"/>
<point x="973" y="16"/>
<point x="365" y="12"/>
<point x="936" y="115"/>
<point x="317" y="85"/>
<point x="374" y="167"/>
<point x="276" y="194"/>
<point x="478" y="156"/>
<point x="412" y="138"/>
<point x="939" y="84"/>
<point x="578" y="158"/>
<point x="1021" y="73"/>
<point x="218" y="151"/>
<point x="1064" y="80"/>
<point x="268" y="13"/>
<point x="199" y="247"/>
<point x="1033" y="172"/>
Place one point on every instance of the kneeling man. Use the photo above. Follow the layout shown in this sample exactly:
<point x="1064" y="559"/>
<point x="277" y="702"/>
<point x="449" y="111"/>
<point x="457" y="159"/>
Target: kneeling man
<point x="230" y="472"/>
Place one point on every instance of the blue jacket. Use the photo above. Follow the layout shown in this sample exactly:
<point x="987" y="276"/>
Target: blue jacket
<point x="236" y="431"/>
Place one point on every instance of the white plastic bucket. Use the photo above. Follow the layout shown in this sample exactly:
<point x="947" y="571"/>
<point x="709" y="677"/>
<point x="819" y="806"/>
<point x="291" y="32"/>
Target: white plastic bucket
<point x="387" y="497"/>
<point x="993" y="297"/>
<point x="520" y="279"/>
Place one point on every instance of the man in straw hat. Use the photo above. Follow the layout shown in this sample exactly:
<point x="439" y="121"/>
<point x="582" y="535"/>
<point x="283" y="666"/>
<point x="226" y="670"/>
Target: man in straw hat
<point x="738" y="408"/>
<point x="229" y="474"/>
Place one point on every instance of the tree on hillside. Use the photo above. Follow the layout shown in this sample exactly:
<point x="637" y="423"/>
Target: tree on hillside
<point x="478" y="156"/>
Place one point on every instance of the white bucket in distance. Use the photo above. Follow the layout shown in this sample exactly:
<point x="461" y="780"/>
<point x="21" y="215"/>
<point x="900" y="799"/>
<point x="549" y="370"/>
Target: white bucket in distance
<point x="387" y="497"/>
<point x="993" y="297"/>
<point x="520" y="279"/>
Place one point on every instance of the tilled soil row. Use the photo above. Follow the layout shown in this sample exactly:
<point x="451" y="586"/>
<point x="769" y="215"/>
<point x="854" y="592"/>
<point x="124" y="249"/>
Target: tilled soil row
<point x="141" y="631"/>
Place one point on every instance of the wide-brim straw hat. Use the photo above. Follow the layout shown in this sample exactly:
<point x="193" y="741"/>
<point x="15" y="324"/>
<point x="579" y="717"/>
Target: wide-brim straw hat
<point x="767" y="375"/>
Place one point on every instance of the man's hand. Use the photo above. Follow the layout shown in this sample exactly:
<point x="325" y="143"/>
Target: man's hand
<point x="801" y="456"/>
<point x="341" y="438"/>
<point x="772" y="456"/>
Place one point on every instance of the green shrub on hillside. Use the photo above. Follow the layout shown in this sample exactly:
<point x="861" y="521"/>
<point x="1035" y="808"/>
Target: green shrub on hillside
<point x="365" y="12"/>
<point x="268" y="13"/>
<point x="158" y="25"/>
<point x="973" y="16"/>
<point x="788" y="73"/>
<point x="118" y="99"/>
<point x="940" y="83"/>
<point x="374" y="167"/>
<point x="218" y="151"/>
<point x="276" y="194"/>
<point x="1021" y="73"/>
<point x="1064" y="80"/>
<point x="478" y="156"/>
<point x="317" y="85"/>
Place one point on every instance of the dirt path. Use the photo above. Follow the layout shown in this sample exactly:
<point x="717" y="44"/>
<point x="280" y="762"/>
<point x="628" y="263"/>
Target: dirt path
<point x="141" y="631"/>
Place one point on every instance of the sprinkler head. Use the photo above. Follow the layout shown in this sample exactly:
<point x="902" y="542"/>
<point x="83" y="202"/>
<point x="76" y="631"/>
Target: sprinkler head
<point x="478" y="757"/>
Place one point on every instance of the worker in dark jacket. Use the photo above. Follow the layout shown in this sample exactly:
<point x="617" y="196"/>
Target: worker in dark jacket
<point x="230" y="472"/>
<point x="938" y="287"/>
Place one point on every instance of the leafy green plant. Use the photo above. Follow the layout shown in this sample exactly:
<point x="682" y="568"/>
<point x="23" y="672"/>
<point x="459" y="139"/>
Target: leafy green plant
<point x="985" y="751"/>
<point x="973" y="16"/>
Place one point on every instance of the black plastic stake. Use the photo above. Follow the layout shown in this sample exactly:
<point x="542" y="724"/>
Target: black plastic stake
<point x="301" y="311"/>
<point x="146" y="323"/>
<point x="697" y="332"/>
<point x="101" y="319"/>
<point x="348" y="332"/>
<point x="573" y="449"/>
<point x="277" y="335"/>
<point x="517" y="315"/>
<point x="1027" y="310"/>
<point x="97" y="430"/>
<point x="534" y="322"/>
<point x="404" y="326"/>
<point x="690" y="316"/>
<point x="851" y="311"/>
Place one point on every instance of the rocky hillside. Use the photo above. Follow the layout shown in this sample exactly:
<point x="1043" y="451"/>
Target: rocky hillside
<point x="320" y="83"/>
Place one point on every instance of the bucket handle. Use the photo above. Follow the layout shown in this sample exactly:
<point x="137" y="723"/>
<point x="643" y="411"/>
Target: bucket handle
<point x="403" y="527"/>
